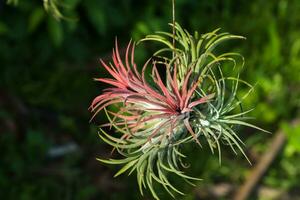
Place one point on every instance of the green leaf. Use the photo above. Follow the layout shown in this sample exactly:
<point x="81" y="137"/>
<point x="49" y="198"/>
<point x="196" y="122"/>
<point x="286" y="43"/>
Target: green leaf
<point x="293" y="137"/>
<point x="238" y="122"/>
<point x="116" y="162"/>
<point x="3" y="28"/>
<point x="55" y="31"/>
<point x="96" y="15"/>
<point x="35" y="19"/>
<point x="125" y="168"/>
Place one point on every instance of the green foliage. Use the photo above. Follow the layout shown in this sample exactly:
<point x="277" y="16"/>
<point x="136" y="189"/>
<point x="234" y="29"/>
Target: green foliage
<point x="293" y="137"/>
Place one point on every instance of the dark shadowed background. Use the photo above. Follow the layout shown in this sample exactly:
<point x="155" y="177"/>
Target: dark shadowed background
<point x="48" y="147"/>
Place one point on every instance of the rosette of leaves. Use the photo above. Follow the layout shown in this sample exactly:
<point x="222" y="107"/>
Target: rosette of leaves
<point x="156" y="118"/>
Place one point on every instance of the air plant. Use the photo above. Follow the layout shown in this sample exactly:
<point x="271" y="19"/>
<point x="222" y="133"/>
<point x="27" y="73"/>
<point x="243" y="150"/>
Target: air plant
<point x="156" y="118"/>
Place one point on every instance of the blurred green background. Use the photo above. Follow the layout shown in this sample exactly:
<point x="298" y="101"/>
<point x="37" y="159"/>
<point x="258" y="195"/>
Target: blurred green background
<point x="48" y="147"/>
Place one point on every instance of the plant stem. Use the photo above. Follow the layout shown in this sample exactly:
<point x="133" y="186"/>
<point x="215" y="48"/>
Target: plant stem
<point x="173" y="21"/>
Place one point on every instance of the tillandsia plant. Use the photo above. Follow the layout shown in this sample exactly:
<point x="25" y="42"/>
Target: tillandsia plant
<point x="156" y="117"/>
